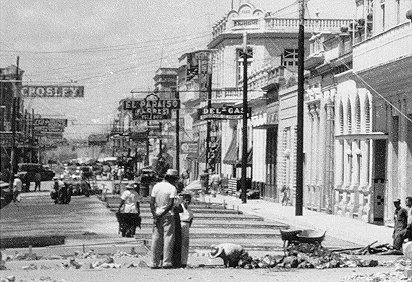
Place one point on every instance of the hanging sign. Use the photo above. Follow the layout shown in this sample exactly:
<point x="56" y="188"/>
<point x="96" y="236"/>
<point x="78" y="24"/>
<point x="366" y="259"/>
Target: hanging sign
<point x="227" y="112"/>
<point x="50" y="122"/>
<point x="52" y="91"/>
<point x="151" y="108"/>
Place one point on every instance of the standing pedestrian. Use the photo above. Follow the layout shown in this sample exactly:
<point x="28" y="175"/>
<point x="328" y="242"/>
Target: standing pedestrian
<point x="401" y="221"/>
<point x="37" y="181"/>
<point x="129" y="211"/>
<point x="186" y="219"/>
<point x="54" y="193"/>
<point x="204" y="179"/>
<point x="17" y="187"/>
<point x="120" y="173"/>
<point x="161" y="204"/>
<point x="215" y="181"/>
<point x="285" y="198"/>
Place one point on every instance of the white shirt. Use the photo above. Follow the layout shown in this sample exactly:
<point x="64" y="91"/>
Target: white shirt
<point x="163" y="192"/>
<point x="17" y="185"/>
<point x="131" y="198"/>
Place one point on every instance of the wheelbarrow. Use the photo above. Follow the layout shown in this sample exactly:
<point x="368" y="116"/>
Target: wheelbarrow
<point x="288" y="237"/>
<point x="314" y="237"/>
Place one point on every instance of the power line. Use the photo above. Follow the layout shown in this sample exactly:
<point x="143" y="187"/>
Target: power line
<point x="98" y="49"/>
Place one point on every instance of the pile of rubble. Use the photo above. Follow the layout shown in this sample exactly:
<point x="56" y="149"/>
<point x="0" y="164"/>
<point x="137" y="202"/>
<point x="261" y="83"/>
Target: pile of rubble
<point x="306" y="256"/>
<point x="402" y="272"/>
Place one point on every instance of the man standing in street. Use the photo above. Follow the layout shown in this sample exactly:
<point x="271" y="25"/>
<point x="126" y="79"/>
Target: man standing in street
<point x="17" y="187"/>
<point x="400" y="221"/>
<point x="161" y="204"/>
<point x="37" y="181"/>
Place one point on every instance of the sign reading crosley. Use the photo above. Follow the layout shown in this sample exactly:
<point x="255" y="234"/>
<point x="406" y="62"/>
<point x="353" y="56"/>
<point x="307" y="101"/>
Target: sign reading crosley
<point x="52" y="91"/>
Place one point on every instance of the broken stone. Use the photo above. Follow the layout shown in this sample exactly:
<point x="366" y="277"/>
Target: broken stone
<point x="11" y="278"/>
<point x="143" y="264"/>
<point x="30" y="267"/>
<point x="291" y="261"/>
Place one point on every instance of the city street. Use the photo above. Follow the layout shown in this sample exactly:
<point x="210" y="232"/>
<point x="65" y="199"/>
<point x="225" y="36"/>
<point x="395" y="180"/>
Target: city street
<point x="88" y="223"/>
<point x="275" y="135"/>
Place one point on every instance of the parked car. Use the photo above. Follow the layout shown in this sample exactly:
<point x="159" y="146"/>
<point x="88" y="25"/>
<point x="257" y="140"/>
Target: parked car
<point x="30" y="169"/>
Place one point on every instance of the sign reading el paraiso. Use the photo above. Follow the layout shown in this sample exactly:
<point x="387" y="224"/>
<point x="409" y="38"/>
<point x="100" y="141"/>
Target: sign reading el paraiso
<point x="52" y="91"/>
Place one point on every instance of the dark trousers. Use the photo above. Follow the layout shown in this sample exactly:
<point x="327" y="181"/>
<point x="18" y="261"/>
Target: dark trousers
<point x="37" y="184"/>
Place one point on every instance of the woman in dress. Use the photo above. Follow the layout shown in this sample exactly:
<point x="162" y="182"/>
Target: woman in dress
<point x="129" y="211"/>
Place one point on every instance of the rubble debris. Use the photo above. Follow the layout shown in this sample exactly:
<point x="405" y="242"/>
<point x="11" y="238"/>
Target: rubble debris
<point x="10" y="278"/>
<point x="32" y="266"/>
<point x="306" y="255"/>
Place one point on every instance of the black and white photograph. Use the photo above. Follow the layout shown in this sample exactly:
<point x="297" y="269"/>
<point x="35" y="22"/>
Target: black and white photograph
<point x="206" y="140"/>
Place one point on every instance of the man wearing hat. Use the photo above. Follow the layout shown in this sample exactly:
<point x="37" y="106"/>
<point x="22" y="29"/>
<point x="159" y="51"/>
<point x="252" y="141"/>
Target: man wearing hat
<point x="17" y="187"/>
<point x="161" y="204"/>
<point x="400" y="220"/>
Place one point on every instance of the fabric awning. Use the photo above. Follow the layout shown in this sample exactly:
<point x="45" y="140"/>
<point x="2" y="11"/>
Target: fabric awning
<point x="249" y="158"/>
<point x="231" y="155"/>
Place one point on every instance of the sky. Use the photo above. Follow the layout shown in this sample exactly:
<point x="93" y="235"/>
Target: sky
<point x="112" y="47"/>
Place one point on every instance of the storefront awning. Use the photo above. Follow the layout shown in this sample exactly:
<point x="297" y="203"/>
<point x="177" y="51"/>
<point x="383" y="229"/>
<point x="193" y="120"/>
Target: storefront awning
<point x="231" y="155"/>
<point x="249" y="158"/>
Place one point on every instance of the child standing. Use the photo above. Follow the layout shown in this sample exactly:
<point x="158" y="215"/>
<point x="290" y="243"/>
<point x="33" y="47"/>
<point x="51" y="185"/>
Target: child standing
<point x="186" y="219"/>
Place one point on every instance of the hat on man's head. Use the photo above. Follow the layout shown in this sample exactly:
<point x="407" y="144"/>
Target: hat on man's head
<point x="397" y="201"/>
<point x="55" y="178"/>
<point x="17" y="175"/>
<point x="172" y="172"/>
<point x="129" y="186"/>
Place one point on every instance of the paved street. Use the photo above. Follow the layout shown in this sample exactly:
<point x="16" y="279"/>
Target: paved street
<point x="89" y="223"/>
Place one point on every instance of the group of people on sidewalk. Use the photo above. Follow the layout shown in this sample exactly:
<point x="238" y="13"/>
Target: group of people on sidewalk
<point x="172" y="218"/>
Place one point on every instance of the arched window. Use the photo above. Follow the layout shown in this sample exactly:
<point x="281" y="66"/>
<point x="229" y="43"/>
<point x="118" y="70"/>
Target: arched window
<point x="367" y="115"/>
<point x="349" y="117"/>
<point x="357" y="115"/>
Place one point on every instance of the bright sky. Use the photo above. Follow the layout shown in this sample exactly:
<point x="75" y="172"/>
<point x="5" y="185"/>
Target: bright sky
<point x="112" y="47"/>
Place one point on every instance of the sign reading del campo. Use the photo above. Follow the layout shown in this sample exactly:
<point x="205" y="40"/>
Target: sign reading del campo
<point x="227" y="112"/>
<point x="52" y="91"/>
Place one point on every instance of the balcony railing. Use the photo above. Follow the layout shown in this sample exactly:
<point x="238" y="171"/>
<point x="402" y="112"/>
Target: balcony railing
<point x="384" y="47"/>
<point x="278" y="25"/>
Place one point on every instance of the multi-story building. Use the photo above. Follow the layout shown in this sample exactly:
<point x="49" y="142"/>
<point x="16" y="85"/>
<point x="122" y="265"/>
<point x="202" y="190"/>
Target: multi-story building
<point x="270" y="41"/>
<point x="382" y="68"/>
<point x="8" y="90"/>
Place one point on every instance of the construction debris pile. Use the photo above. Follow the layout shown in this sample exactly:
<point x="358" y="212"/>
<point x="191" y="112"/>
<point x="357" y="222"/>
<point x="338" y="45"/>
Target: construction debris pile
<point x="402" y="272"/>
<point x="306" y="256"/>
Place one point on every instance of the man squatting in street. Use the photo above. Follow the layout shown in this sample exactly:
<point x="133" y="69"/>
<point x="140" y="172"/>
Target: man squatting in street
<point x="161" y="204"/>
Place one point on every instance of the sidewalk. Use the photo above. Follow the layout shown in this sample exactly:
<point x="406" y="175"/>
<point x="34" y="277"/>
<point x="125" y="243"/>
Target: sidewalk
<point x="343" y="228"/>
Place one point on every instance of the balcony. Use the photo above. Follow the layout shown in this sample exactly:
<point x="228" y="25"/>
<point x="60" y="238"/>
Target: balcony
<point x="272" y="24"/>
<point x="388" y="46"/>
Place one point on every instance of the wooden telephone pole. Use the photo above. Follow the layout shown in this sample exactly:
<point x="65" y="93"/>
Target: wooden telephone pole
<point x="244" y="123"/>
<point x="299" y="133"/>
<point x="13" y="129"/>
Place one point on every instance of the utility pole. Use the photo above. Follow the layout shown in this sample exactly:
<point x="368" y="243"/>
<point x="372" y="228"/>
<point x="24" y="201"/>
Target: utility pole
<point x="244" y="122"/>
<point x="146" y="160"/>
<point x="177" y="134"/>
<point x="13" y="129"/>
<point x="299" y="133"/>
<point x="208" y="122"/>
